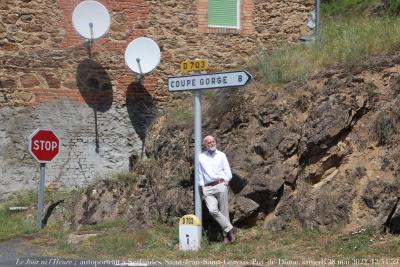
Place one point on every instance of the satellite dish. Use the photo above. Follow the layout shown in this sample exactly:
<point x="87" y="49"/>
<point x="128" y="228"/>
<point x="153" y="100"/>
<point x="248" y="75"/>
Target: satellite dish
<point x="91" y="19"/>
<point x="142" y="55"/>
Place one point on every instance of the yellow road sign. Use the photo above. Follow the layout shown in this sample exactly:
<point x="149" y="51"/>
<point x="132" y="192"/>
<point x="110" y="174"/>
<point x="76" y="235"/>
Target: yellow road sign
<point x="194" y="65"/>
<point x="190" y="219"/>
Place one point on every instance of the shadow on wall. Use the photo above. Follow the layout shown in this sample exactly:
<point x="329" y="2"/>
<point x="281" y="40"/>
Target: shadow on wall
<point x="141" y="110"/>
<point x="95" y="87"/>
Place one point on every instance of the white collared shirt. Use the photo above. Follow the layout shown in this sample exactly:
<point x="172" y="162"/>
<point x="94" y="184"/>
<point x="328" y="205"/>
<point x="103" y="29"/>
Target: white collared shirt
<point x="213" y="167"/>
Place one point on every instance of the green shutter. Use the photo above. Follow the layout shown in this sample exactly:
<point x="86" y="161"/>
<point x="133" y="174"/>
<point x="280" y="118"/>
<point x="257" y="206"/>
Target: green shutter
<point x="223" y="13"/>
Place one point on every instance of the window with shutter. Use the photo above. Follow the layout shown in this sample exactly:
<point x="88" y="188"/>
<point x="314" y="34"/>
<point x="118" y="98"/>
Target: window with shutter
<point x="223" y="14"/>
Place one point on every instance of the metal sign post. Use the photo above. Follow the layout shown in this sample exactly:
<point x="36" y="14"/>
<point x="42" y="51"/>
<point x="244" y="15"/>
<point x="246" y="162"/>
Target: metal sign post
<point x="40" y="208"/>
<point x="317" y="19"/>
<point x="197" y="152"/>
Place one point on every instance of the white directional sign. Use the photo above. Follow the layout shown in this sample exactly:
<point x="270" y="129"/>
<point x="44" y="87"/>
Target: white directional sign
<point x="209" y="81"/>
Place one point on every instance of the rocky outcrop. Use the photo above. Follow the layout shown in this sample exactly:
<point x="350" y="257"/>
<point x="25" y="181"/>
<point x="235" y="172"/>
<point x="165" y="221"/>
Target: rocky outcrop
<point x="142" y="202"/>
<point x="328" y="122"/>
<point x="393" y="222"/>
<point x="381" y="198"/>
<point x="306" y="153"/>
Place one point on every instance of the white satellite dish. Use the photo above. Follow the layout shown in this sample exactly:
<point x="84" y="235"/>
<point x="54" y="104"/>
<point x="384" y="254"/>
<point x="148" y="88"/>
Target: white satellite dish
<point x="91" y="19"/>
<point x="142" y="55"/>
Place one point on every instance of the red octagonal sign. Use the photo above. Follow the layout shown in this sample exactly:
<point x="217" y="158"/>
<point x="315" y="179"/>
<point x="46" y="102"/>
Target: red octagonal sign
<point x="44" y="145"/>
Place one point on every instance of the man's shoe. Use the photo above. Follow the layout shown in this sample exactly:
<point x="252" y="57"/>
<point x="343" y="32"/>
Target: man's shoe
<point x="231" y="235"/>
<point x="226" y="240"/>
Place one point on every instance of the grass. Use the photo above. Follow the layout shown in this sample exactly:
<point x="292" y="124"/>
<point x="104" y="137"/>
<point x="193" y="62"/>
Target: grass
<point x="179" y="115"/>
<point x="346" y="7"/>
<point x="19" y="224"/>
<point x="341" y="8"/>
<point x="129" y="178"/>
<point x="358" y="242"/>
<point x="117" y="240"/>
<point x="14" y="225"/>
<point x="349" y="42"/>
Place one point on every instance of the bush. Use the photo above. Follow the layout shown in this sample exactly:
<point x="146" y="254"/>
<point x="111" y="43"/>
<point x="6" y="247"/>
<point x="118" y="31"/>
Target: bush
<point x="384" y="128"/>
<point x="394" y="7"/>
<point x="345" y="7"/>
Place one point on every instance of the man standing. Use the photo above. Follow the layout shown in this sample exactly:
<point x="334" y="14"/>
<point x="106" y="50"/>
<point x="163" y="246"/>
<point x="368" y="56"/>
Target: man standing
<point x="214" y="177"/>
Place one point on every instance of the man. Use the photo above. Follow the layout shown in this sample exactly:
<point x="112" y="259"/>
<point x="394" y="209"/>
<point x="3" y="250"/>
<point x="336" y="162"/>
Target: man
<point x="214" y="177"/>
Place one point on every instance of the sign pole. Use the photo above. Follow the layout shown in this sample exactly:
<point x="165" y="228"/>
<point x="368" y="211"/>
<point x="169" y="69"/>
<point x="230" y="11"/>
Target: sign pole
<point x="40" y="209"/>
<point x="197" y="151"/>
<point x="317" y="18"/>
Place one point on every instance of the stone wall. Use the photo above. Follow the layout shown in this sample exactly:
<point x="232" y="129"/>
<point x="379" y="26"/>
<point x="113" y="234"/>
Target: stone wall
<point x="83" y="155"/>
<point x="49" y="79"/>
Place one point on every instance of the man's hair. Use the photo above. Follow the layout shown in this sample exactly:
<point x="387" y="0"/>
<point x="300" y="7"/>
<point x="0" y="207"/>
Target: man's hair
<point x="208" y="137"/>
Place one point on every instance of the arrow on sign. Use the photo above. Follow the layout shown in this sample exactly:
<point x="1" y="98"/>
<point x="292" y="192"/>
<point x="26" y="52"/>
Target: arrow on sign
<point x="209" y="81"/>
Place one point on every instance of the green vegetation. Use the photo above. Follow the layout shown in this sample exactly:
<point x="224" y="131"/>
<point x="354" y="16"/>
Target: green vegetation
<point x="346" y="7"/>
<point x="117" y="240"/>
<point x="284" y="64"/>
<point x="394" y="7"/>
<point x="340" y="8"/>
<point x="127" y="177"/>
<point x="358" y="242"/>
<point x="384" y="128"/>
<point x="179" y="116"/>
<point x="19" y="224"/>
<point x="14" y="225"/>
<point x="348" y="41"/>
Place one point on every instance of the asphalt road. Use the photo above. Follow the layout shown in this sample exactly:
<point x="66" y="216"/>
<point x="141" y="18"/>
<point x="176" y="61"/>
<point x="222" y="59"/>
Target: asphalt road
<point x="11" y="250"/>
<point x="20" y="253"/>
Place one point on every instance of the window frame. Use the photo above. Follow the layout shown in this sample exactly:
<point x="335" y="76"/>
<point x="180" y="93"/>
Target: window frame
<point x="238" y="15"/>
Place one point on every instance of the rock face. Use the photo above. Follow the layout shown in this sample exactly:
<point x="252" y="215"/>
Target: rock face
<point x="329" y="121"/>
<point x="144" y="198"/>
<point x="310" y="153"/>
<point x="307" y="153"/>
<point x="393" y="221"/>
<point x="381" y="198"/>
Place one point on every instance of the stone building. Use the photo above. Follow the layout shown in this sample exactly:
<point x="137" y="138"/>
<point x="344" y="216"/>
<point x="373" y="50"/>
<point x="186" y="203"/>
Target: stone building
<point x="94" y="103"/>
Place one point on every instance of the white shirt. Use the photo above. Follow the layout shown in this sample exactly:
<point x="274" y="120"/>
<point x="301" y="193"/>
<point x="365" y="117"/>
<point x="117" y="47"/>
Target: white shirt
<point x="213" y="167"/>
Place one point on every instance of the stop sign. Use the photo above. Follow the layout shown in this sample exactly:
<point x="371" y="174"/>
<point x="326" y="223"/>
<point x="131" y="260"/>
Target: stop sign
<point x="44" y="145"/>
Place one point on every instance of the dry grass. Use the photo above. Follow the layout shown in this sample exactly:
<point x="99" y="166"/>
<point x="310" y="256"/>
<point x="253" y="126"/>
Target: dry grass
<point x="348" y="41"/>
<point x="161" y="244"/>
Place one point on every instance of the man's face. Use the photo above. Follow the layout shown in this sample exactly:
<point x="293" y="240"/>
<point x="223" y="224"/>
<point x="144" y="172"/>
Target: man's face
<point x="210" y="143"/>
